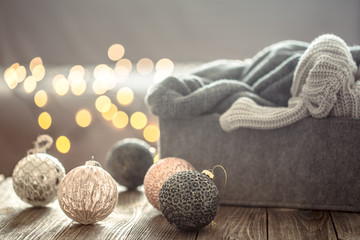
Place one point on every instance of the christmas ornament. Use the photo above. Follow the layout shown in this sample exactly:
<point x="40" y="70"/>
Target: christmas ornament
<point x="37" y="176"/>
<point x="158" y="173"/>
<point x="189" y="200"/>
<point x="88" y="193"/>
<point x="128" y="160"/>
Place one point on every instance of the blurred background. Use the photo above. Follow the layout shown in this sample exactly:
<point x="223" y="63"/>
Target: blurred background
<point x="79" y="70"/>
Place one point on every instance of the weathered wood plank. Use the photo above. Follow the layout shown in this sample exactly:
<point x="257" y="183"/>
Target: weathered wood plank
<point x="237" y="223"/>
<point x="299" y="224"/>
<point x="347" y="225"/>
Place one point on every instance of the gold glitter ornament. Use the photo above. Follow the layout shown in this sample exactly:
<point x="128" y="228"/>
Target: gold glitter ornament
<point x="36" y="177"/>
<point x="157" y="175"/>
<point x="88" y="193"/>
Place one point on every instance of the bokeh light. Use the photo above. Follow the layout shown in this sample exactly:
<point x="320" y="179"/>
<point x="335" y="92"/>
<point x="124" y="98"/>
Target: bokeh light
<point x="10" y="77"/>
<point x="20" y="73"/>
<point x="60" y="84"/>
<point x="30" y="84"/>
<point x="116" y="51"/>
<point x="126" y="63"/>
<point x="38" y="72"/>
<point x="35" y="62"/>
<point x="151" y="133"/>
<point x="98" y="87"/>
<point x="108" y="115"/>
<point x="40" y="98"/>
<point x="165" y="65"/>
<point x="44" y="120"/>
<point x="156" y="158"/>
<point x="105" y="77"/>
<point x="77" y="69"/>
<point x="138" y="120"/>
<point x="145" y="66"/>
<point x="78" y="86"/>
<point x="125" y="96"/>
<point x="83" y="118"/>
<point x="120" y="119"/>
<point x="63" y="144"/>
<point x="159" y="76"/>
<point x="121" y="73"/>
<point x="103" y="103"/>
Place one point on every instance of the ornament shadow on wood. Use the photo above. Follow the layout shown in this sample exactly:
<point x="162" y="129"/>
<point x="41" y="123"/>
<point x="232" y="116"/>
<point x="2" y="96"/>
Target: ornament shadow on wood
<point x="157" y="175"/>
<point x="128" y="161"/>
<point x="88" y="194"/>
<point x="189" y="200"/>
<point x="37" y="176"/>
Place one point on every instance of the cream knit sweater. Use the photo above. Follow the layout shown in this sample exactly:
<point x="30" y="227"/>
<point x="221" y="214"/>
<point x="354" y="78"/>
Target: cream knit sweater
<point x="324" y="84"/>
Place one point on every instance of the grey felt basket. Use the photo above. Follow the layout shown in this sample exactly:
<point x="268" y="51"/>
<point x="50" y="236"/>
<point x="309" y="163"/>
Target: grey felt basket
<point x="311" y="164"/>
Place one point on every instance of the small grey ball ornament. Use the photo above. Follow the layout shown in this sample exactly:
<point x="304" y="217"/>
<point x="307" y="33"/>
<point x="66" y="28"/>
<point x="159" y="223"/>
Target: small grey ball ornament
<point x="128" y="161"/>
<point x="37" y="176"/>
<point x="189" y="200"/>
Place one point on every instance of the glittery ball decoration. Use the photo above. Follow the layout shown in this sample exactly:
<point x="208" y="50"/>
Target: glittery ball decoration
<point x="37" y="176"/>
<point x="158" y="173"/>
<point x="128" y="161"/>
<point x="189" y="200"/>
<point x="88" y="193"/>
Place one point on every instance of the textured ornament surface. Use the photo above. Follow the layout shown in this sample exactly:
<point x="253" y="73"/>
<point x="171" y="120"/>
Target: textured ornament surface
<point x="128" y="161"/>
<point x="36" y="178"/>
<point x="88" y="193"/>
<point x="189" y="200"/>
<point x="157" y="175"/>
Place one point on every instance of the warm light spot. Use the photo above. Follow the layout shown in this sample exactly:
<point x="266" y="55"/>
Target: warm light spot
<point x="105" y="76"/>
<point x="44" y="120"/>
<point x="120" y="119"/>
<point x="116" y="51"/>
<point x="98" y="87"/>
<point x="138" y="120"/>
<point x="60" y="84"/>
<point x="15" y="65"/>
<point x="156" y="158"/>
<point x="35" y="62"/>
<point x="40" y="98"/>
<point x="63" y="144"/>
<point x="151" y="133"/>
<point x="125" y="96"/>
<point x="165" y="65"/>
<point x="108" y="115"/>
<point x="121" y="73"/>
<point x="30" y="84"/>
<point x="78" y="86"/>
<point x="21" y="73"/>
<point x="10" y="77"/>
<point x="126" y="63"/>
<point x="78" y="69"/>
<point x="38" y="72"/>
<point x="160" y="75"/>
<point x="83" y="118"/>
<point x="103" y="103"/>
<point x="145" y="66"/>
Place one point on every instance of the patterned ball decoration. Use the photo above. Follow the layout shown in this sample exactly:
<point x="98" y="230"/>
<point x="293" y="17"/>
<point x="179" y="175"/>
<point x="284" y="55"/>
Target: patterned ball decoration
<point x="128" y="161"/>
<point x="158" y="173"/>
<point x="189" y="200"/>
<point x="37" y="176"/>
<point x="88" y="193"/>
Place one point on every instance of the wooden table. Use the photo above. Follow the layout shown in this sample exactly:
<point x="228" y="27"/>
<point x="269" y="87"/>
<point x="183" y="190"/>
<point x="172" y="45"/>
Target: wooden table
<point x="135" y="218"/>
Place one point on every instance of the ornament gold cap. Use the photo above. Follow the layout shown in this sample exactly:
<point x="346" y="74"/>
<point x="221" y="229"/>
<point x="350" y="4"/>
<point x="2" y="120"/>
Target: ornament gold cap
<point x="209" y="174"/>
<point x="92" y="162"/>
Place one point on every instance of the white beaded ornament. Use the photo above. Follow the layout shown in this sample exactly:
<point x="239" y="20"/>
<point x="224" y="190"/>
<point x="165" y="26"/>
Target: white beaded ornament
<point x="88" y="193"/>
<point x="37" y="176"/>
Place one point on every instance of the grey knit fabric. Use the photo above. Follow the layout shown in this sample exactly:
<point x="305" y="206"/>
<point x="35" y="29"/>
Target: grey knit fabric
<point x="213" y="87"/>
<point x="265" y="81"/>
<point x="324" y="85"/>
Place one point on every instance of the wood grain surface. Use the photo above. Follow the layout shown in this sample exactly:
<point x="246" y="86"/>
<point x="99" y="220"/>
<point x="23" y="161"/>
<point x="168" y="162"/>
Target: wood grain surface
<point x="135" y="218"/>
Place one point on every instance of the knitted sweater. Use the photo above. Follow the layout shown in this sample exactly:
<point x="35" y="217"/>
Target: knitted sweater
<point x="323" y="85"/>
<point x="230" y="86"/>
